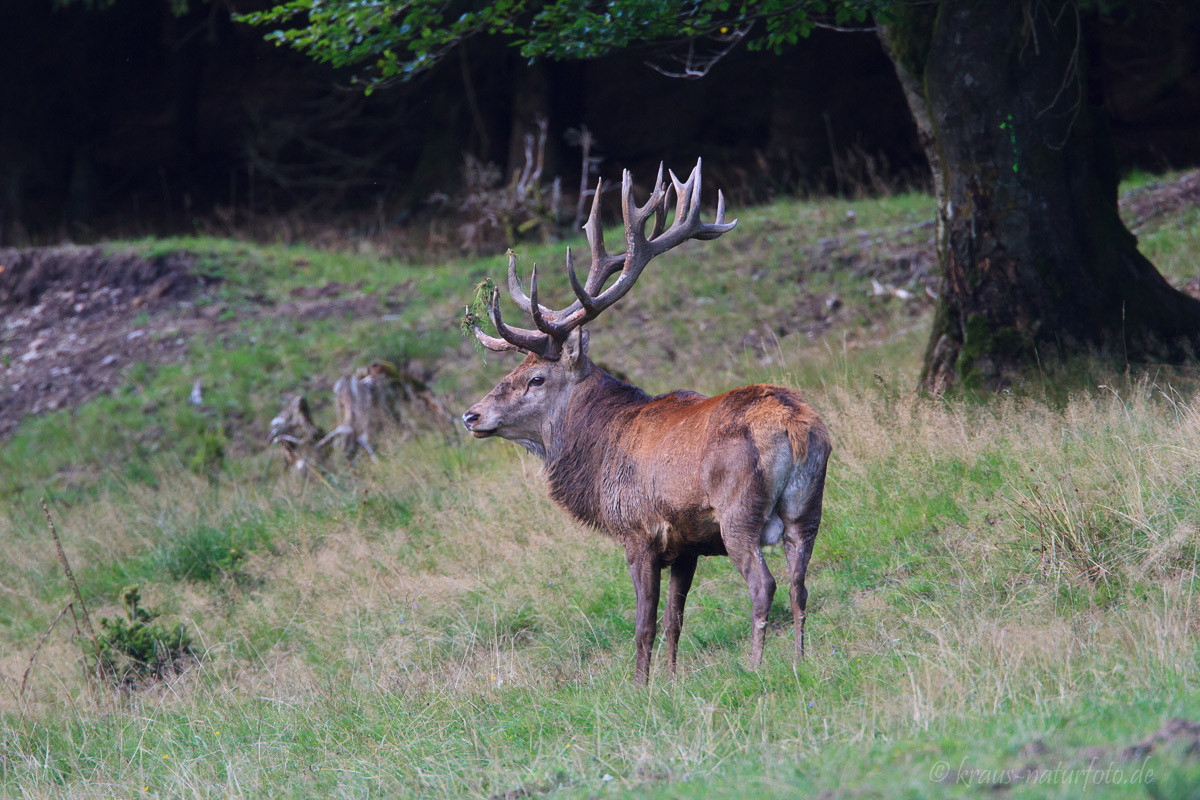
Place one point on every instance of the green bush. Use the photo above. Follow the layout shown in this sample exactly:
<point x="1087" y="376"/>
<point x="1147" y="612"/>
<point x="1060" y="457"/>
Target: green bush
<point x="138" y="645"/>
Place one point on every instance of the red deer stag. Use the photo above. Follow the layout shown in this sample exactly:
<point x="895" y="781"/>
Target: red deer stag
<point x="673" y="477"/>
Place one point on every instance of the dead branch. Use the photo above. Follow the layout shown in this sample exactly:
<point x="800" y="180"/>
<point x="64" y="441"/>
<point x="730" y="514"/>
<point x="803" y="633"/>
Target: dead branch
<point x="62" y="558"/>
<point x="496" y="213"/>
<point x="87" y="619"/>
<point x="38" y="649"/>
<point x="585" y="140"/>
<point x="696" y="66"/>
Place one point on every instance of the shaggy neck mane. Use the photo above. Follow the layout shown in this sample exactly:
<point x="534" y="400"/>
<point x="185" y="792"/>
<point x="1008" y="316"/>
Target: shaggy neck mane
<point x="579" y="452"/>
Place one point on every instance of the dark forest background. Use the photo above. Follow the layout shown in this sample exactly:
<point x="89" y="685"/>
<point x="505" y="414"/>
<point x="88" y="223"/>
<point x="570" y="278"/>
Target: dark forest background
<point x="131" y="120"/>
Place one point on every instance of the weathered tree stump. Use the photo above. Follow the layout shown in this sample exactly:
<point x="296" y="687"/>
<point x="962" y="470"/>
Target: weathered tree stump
<point x="296" y="434"/>
<point x="374" y="402"/>
<point x="366" y="404"/>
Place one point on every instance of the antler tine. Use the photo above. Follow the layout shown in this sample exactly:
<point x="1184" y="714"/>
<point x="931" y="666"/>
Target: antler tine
<point x="711" y="230"/>
<point x="687" y="223"/>
<point x="522" y="338"/>
<point x="660" y="212"/>
<point x="694" y="211"/>
<point x="688" y="206"/>
<point x="490" y="342"/>
<point x="638" y="248"/>
<point x="636" y="216"/>
<point x="536" y="310"/>
<point x="603" y="265"/>
<point x="660" y="190"/>
<point x="585" y="300"/>
<point x="595" y="234"/>
<point x="514" y="285"/>
<point x="591" y="297"/>
<point x="630" y="214"/>
<point x="681" y="197"/>
<point x="656" y="196"/>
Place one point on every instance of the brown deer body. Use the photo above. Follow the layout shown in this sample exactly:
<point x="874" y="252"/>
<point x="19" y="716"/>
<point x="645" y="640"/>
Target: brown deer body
<point x="673" y="477"/>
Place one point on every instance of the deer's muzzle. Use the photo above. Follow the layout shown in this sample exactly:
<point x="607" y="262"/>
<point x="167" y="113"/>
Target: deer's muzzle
<point x="473" y="422"/>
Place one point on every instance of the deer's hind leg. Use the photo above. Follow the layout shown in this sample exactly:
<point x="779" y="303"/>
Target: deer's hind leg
<point x="798" y="547"/>
<point x="740" y="533"/>
<point x="740" y="504"/>
<point x="801" y="513"/>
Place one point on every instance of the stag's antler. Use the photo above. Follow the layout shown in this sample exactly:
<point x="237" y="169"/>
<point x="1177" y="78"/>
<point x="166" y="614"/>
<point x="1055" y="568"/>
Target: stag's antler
<point x="553" y="326"/>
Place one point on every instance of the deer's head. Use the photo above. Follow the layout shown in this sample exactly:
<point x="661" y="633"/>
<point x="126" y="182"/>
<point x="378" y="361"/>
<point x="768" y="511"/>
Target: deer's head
<point x="532" y="399"/>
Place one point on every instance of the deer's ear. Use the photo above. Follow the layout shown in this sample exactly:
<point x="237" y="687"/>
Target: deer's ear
<point x="574" y="352"/>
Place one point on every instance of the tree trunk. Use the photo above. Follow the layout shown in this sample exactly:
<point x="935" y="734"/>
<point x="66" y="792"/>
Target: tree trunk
<point x="1036" y="263"/>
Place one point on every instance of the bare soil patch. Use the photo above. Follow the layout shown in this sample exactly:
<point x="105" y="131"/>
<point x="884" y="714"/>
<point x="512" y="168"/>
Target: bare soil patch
<point x="72" y="319"/>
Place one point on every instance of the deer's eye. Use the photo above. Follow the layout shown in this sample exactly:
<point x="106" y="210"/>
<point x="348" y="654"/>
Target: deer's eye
<point x="537" y="380"/>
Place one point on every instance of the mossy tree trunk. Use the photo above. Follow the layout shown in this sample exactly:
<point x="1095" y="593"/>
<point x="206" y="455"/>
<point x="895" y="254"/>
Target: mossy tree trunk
<point x="1036" y="262"/>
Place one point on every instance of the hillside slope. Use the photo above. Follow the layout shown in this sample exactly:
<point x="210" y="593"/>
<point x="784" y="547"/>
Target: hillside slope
<point x="1003" y="594"/>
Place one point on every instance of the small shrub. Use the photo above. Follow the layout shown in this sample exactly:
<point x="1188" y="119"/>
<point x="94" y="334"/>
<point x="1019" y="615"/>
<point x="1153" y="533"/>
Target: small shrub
<point x="138" y="646"/>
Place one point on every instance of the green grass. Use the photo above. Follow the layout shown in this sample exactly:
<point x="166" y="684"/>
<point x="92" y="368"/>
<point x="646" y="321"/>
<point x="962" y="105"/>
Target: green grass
<point x="432" y="626"/>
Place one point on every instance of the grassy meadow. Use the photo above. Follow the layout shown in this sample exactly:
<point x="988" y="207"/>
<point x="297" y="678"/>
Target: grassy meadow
<point x="1003" y="593"/>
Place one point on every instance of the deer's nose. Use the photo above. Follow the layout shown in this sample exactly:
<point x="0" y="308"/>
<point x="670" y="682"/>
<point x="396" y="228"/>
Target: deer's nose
<point x="470" y="418"/>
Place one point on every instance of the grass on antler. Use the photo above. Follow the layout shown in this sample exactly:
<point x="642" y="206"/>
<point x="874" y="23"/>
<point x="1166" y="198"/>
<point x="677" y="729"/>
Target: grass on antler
<point x="475" y="314"/>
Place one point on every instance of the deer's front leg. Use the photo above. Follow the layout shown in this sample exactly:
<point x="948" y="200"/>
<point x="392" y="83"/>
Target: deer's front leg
<point x="682" y="572"/>
<point x="645" y="570"/>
